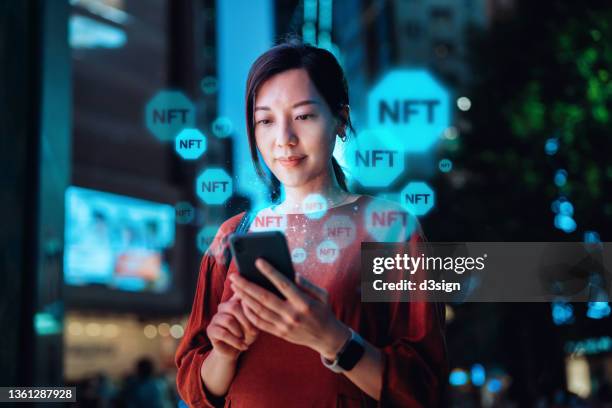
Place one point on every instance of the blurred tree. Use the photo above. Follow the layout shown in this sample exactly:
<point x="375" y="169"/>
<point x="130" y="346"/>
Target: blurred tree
<point x="541" y="73"/>
<point x="545" y="73"/>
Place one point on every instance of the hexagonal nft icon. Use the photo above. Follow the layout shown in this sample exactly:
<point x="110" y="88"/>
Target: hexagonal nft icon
<point x="214" y="186"/>
<point x="374" y="158"/>
<point x="190" y="144"/>
<point x="184" y="212"/>
<point x="386" y="221"/>
<point x="222" y="127"/>
<point x="412" y="105"/>
<point x="314" y="206"/>
<point x="340" y="229"/>
<point x="418" y="198"/>
<point x="168" y="113"/>
<point x="205" y="237"/>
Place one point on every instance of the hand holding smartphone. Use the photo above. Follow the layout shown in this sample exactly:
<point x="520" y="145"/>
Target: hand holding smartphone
<point x="271" y="246"/>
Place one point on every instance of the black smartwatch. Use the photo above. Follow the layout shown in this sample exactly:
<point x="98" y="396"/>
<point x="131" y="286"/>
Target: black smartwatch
<point x="348" y="356"/>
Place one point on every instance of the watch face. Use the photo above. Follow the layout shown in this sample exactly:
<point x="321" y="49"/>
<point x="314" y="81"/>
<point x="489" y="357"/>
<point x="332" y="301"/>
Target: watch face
<point x="351" y="354"/>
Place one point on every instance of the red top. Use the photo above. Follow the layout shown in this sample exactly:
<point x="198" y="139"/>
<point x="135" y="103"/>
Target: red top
<point x="276" y="373"/>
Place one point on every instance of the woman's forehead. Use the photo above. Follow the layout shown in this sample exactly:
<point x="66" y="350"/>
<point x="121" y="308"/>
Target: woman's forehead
<point x="287" y="88"/>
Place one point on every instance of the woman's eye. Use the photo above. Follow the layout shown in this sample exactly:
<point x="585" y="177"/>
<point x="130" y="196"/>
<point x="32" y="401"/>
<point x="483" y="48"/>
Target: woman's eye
<point x="263" y="122"/>
<point x="305" y="116"/>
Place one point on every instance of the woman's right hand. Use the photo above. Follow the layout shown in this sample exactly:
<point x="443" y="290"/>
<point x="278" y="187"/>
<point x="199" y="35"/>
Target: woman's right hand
<point x="229" y="331"/>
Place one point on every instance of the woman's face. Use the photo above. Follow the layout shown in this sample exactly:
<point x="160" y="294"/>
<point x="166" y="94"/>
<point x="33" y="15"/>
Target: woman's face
<point x="295" y="130"/>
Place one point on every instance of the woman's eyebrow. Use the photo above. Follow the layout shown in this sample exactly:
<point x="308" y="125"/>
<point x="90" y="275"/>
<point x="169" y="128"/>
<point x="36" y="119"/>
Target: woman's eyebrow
<point x="295" y="105"/>
<point x="306" y="102"/>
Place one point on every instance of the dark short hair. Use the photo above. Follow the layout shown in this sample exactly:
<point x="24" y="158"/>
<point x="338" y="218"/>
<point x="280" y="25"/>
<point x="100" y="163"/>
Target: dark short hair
<point x="326" y="75"/>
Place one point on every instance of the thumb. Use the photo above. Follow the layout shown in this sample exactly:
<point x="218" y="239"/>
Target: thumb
<point x="312" y="289"/>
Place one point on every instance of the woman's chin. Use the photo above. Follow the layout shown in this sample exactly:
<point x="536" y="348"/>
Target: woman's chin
<point x="292" y="182"/>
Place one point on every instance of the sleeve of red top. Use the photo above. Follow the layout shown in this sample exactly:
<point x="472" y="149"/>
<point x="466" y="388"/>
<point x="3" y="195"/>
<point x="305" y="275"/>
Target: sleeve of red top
<point x="415" y="361"/>
<point x="195" y="345"/>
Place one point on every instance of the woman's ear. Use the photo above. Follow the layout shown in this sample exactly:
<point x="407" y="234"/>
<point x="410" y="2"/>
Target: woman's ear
<point x="343" y="120"/>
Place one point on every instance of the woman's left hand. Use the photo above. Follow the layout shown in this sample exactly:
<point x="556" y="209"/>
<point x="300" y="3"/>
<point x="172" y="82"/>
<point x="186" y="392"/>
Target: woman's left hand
<point x="304" y="318"/>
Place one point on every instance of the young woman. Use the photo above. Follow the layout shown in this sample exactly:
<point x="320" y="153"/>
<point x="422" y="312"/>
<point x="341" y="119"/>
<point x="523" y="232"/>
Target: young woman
<point x="320" y="346"/>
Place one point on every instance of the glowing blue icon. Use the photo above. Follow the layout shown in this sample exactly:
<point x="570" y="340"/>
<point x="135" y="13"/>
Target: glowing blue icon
<point x="478" y="375"/>
<point x="314" y="206"/>
<point x="298" y="255"/>
<point x="222" y="127"/>
<point x="598" y="310"/>
<point x="328" y="251"/>
<point x="209" y="85"/>
<point x="566" y="208"/>
<point x="214" y="186"/>
<point x="458" y="378"/>
<point x="591" y="237"/>
<point x="556" y="205"/>
<point x="560" y="178"/>
<point x="375" y="158"/>
<point x="565" y="223"/>
<point x="184" y="212"/>
<point x="562" y="313"/>
<point x="592" y="242"/>
<point x="168" y="113"/>
<point x="413" y="106"/>
<point x="494" y="386"/>
<point x="418" y="198"/>
<point x="205" y="237"/>
<point x="388" y="222"/>
<point x="551" y="146"/>
<point x="340" y="229"/>
<point x="190" y="144"/>
<point x="445" y="165"/>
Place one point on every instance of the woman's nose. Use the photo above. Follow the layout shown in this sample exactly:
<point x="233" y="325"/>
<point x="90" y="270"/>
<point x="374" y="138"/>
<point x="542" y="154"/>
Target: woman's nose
<point x="286" y="135"/>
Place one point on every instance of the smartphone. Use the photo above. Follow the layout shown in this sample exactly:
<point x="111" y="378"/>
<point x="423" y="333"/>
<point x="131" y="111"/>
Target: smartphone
<point x="269" y="245"/>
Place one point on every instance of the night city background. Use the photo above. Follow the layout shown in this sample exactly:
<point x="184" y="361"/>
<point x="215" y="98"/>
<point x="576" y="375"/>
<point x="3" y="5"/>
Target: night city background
<point x="87" y="180"/>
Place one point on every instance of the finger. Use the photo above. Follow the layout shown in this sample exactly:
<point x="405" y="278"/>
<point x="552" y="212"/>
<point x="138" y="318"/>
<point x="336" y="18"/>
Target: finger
<point x="259" y="322"/>
<point x="228" y="321"/>
<point x="232" y="307"/>
<point x="264" y="296"/>
<point x="312" y="289"/>
<point x="238" y="313"/>
<point x="219" y="333"/>
<point x="280" y="281"/>
<point x="261" y="310"/>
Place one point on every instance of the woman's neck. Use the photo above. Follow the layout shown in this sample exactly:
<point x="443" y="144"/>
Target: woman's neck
<point x="294" y="196"/>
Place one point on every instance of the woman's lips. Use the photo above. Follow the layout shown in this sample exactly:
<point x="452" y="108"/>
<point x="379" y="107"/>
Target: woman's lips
<point x="291" y="161"/>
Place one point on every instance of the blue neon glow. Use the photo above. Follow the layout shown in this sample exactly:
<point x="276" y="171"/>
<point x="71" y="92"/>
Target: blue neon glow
<point x="168" y="113"/>
<point x="554" y="206"/>
<point x="418" y="198"/>
<point x="85" y="33"/>
<point x="375" y="158"/>
<point x="190" y="144"/>
<point x="566" y="208"/>
<point x="445" y="165"/>
<point x="551" y="146"/>
<point x="494" y="386"/>
<point x="560" y="178"/>
<point x="413" y="106"/>
<point x="598" y="310"/>
<point x="458" y="378"/>
<point x="562" y="313"/>
<point x="214" y="186"/>
<point x="478" y="375"/>
<point x="589" y="346"/>
<point x="565" y="223"/>
<point x="591" y="237"/>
